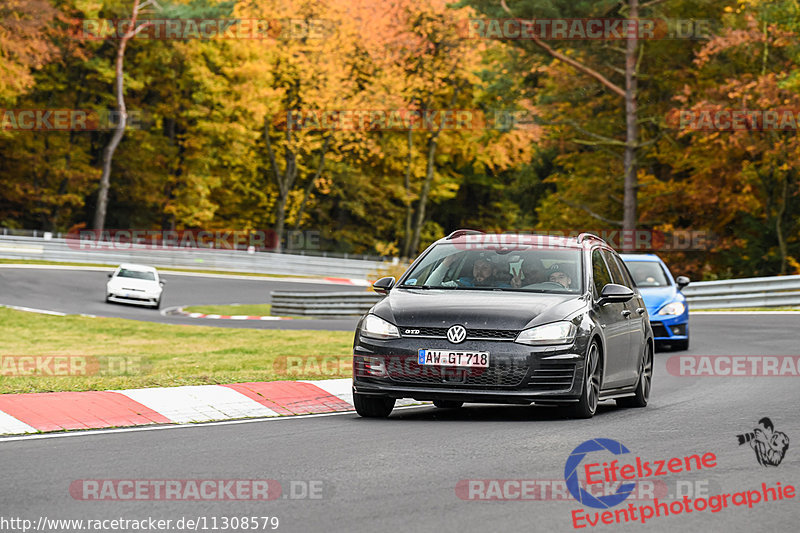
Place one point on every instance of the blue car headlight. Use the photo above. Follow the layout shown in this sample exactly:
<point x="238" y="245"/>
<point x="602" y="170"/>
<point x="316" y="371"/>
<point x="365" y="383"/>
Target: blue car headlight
<point x="674" y="308"/>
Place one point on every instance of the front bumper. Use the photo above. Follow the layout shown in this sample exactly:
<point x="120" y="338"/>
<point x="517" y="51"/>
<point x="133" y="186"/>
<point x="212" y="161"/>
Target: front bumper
<point x="517" y="373"/>
<point x="133" y="298"/>
<point x="670" y="328"/>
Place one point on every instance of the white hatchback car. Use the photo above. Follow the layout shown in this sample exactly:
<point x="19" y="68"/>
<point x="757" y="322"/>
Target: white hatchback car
<point x="137" y="284"/>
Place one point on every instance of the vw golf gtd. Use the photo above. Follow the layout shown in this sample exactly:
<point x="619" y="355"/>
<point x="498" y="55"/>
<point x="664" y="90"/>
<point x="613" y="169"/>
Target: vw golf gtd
<point x="493" y="319"/>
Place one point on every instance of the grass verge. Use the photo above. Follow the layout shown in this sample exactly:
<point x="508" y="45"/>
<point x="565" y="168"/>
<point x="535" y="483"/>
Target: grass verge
<point x="145" y="354"/>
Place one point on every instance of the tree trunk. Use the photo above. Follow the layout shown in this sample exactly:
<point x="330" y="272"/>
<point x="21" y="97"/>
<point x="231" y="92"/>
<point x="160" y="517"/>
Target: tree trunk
<point x="119" y="131"/>
<point x="284" y="180"/>
<point x="426" y="188"/>
<point x="407" y="199"/>
<point x="779" y="224"/>
<point x="311" y="183"/>
<point x="631" y="186"/>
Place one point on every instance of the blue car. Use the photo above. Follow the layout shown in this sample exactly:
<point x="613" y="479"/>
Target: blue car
<point x="666" y="305"/>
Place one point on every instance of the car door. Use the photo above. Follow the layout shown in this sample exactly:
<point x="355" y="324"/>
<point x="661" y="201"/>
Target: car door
<point x="615" y="326"/>
<point x="637" y="314"/>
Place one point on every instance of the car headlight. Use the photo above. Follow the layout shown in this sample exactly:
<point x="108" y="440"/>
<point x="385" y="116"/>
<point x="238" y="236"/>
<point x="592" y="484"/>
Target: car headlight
<point x="377" y="328"/>
<point x="555" y="333"/>
<point x="674" y="308"/>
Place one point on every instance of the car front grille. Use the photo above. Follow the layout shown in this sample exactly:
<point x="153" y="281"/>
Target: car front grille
<point x="499" y="375"/>
<point x="659" y="329"/>
<point x="552" y="376"/>
<point x="472" y="334"/>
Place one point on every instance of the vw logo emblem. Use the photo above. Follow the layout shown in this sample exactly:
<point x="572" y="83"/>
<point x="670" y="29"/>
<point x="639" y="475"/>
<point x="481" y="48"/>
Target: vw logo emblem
<point x="456" y="334"/>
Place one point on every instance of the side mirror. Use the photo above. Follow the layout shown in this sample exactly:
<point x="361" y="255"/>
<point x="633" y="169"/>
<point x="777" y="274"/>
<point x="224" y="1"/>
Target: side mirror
<point x="383" y="285"/>
<point x="682" y="282"/>
<point x="161" y="282"/>
<point x="613" y="293"/>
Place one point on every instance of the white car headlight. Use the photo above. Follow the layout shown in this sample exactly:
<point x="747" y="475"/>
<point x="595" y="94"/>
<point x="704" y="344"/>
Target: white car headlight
<point x="555" y="333"/>
<point x="377" y="328"/>
<point x="675" y="308"/>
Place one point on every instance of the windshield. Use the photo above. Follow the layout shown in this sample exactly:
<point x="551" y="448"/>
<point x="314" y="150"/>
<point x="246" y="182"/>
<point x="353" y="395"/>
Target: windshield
<point x="136" y="274"/>
<point x="648" y="274"/>
<point x="524" y="268"/>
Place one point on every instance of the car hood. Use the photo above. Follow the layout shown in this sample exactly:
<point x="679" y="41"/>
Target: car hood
<point x="133" y="283"/>
<point x="506" y="310"/>
<point x="657" y="297"/>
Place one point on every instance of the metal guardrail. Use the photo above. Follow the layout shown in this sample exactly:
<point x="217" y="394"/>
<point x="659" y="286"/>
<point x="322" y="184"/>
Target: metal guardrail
<point x="749" y="292"/>
<point x="74" y="251"/>
<point x="323" y="304"/>
<point x="773" y="291"/>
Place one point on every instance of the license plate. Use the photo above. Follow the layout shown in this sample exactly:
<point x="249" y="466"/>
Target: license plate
<point x="453" y="358"/>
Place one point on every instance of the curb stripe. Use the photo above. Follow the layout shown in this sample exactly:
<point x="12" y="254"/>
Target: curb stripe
<point x="292" y="397"/>
<point x="10" y="425"/>
<point x="55" y="411"/>
<point x="198" y="403"/>
<point x="343" y="389"/>
<point x="180" y="312"/>
<point x="58" y="411"/>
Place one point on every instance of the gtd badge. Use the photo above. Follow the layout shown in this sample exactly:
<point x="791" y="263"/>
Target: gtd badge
<point x="457" y="334"/>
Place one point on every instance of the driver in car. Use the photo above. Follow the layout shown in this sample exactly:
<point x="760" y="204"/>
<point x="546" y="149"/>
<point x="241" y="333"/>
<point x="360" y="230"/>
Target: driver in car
<point x="483" y="274"/>
<point x="561" y="278"/>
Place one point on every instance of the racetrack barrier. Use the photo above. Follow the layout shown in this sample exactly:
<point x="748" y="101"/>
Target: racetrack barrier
<point x="775" y="291"/>
<point x="50" y="248"/>
<point x="322" y="304"/>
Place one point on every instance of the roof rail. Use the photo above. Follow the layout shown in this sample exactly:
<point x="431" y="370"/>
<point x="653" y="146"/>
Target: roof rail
<point x="584" y="236"/>
<point x="462" y="232"/>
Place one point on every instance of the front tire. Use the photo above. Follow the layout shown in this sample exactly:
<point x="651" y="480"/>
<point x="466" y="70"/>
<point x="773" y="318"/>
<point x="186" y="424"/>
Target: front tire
<point x="447" y="404"/>
<point x="644" y="385"/>
<point x="373" y="406"/>
<point x="157" y="305"/>
<point x="590" y="396"/>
